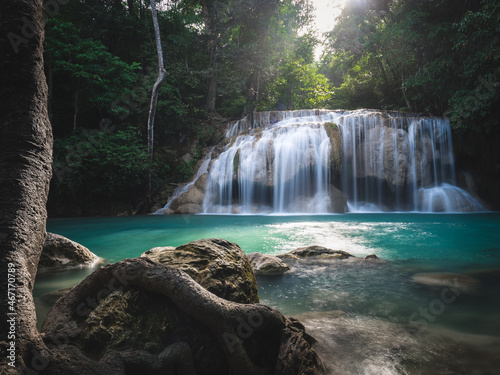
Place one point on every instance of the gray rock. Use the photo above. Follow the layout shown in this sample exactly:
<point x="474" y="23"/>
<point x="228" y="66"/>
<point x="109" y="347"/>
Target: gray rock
<point x="190" y="202"/>
<point x="139" y="314"/>
<point x="338" y="200"/>
<point x="316" y="252"/>
<point x="267" y="265"/>
<point x="60" y="253"/>
<point x="218" y="265"/>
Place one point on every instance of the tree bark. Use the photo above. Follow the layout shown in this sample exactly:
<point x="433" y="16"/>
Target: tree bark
<point x="162" y="73"/>
<point x="25" y="172"/>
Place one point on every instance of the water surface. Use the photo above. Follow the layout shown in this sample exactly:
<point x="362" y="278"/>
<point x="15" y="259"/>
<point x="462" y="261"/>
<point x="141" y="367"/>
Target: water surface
<point x="378" y="302"/>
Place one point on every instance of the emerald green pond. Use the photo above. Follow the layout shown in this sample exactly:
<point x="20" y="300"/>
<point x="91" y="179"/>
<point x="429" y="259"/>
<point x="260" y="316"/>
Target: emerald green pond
<point x="456" y="238"/>
<point x="372" y="293"/>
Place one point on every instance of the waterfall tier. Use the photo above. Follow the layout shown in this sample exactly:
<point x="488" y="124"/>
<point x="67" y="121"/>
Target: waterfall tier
<point x="322" y="161"/>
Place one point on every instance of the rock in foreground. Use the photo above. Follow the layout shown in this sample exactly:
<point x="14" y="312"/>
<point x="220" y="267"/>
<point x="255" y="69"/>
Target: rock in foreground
<point x="218" y="265"/>
<point x="139" y="316"/>
<point x="60" y="253"/>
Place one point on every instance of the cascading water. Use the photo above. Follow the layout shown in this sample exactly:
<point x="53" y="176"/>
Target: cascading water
<point x="296" y="162"/>
<point x="396" y="162"/>
<point x="281" y="168"/>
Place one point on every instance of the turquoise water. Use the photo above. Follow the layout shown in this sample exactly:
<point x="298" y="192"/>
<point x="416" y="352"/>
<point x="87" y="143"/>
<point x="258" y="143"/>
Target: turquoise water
<point x="470" y="238"/>
<point x="413" y="243"/>
<point x="390" y="323"/>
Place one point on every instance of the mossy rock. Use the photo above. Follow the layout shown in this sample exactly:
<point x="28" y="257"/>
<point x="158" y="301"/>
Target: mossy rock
<point x="218" y="265"/>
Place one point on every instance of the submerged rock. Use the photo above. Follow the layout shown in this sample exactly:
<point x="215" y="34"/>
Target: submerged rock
<point x="218" y="265"/>
<point x="139" y="316"/>
<point x="60" y="253"/>
<point x="316" y="252"/>
<point x="267" y="265"/>
<point x="462" y="283"/>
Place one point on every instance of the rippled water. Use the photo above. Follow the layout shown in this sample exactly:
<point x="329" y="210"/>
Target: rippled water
<point x="370" y="317"/>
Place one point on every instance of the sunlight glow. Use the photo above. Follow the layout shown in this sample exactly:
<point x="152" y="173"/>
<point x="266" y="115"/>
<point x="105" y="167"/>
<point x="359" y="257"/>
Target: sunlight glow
<point x="326" y="11"/>
<point x="325" y="14"/>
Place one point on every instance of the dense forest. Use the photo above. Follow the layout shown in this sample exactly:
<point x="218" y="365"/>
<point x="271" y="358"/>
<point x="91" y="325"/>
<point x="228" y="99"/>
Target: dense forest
<point x="227" y="58"/>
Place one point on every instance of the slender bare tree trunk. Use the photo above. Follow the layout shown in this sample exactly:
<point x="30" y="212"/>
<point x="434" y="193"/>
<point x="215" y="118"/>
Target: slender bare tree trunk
<point x="208" y="10"/>
<point x="162" y="73"/>
<point x="25" y="172"/>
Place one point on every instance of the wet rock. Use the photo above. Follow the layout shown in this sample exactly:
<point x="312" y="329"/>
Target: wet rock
<point x="338" y="200"/>
<point x="146" y="317"/>
<point x="316" y="252"/>
<point x="190" y="202"/>
<point x="60" y="253"/>
<point x="336" y="157"/>
<point x="218" y="265"/>
<point x="267" y="265"/>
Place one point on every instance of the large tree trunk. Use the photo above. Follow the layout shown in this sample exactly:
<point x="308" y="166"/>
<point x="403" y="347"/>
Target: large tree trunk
<point x="25" y="171"/>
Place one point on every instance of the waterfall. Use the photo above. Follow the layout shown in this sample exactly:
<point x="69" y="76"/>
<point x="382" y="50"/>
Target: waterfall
<point x="282" y="167"/>
<point x="320" y="161"/>
<point x="398" y="162"/>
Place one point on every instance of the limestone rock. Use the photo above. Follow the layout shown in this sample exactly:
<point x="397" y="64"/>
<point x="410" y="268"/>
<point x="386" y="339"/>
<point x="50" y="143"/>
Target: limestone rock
<point x="316" y="252"/>
<point x="267" y="265"/>
<point x="218" y="265"/>
<point x="190" y="202"/>
<point x="60" y="253"/>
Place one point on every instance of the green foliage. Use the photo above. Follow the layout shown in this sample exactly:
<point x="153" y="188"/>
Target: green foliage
<point x="418" y="56"/>
<point x="87" y="65"/>
<point x="100" y="165"/>
<point x="297" y="86"/>
<point x="475" y="105"/>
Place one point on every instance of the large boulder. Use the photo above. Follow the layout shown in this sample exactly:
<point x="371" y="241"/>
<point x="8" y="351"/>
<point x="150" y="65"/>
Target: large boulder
<point x="60" y="253"/>
<point x="189" y="202"/>
<point x="267" y="265"/>
<point x="139" y="316"/>
<point x="218" y="265"/>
